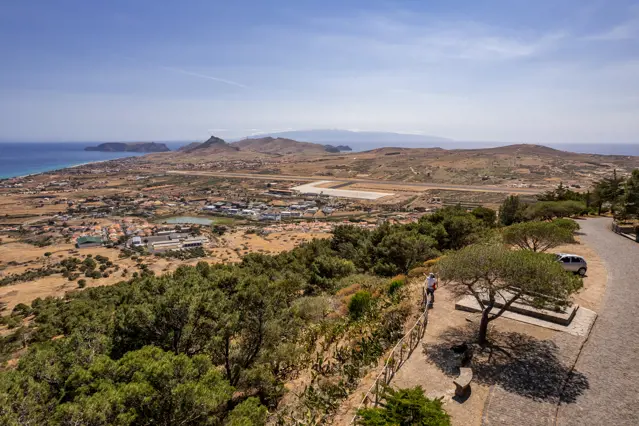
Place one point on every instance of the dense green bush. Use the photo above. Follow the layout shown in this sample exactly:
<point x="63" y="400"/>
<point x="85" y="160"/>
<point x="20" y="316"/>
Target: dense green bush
<point x="405" y="407"/>
<point x="486" y="215"/>
<point x="538" y="236"/>
<point x="511" y="210"/>
<point x="396" y="285"/>
<point x="568" y="224"/>
<point x="325" y="270"/>
<point x="547" y="210"/>
<point x="22" y="310"/>
<point x="184" y="254"/>
<point x="359" y="305"/>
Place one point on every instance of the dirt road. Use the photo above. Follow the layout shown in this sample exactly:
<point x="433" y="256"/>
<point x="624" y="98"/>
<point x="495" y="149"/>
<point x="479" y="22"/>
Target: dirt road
<point x="417" y="186"/>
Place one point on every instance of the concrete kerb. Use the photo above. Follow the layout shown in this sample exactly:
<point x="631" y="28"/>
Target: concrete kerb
<point x="580" y="325"/>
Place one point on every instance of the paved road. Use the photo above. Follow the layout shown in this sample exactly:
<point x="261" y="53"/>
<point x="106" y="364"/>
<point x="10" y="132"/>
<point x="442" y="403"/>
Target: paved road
<point x="610" y="357"/>
<point x="417" y="186"/>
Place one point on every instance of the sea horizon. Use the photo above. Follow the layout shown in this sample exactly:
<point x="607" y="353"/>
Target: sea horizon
<point x="29" y="158"/>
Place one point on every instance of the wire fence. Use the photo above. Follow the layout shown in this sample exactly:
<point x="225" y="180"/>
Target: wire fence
<point x="398" y="356"/>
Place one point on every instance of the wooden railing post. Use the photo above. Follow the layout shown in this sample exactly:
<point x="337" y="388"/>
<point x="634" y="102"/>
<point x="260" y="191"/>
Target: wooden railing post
<point x="392" y="365"/>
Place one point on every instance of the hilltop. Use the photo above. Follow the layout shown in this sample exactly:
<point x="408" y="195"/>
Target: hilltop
<point x="212" y="145"/>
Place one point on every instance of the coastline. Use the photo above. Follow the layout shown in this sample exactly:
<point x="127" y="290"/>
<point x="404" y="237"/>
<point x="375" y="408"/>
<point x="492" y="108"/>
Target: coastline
<point x="59" y="169"/>
<point x="56" y="169"/>
<point x="18" y="160"/>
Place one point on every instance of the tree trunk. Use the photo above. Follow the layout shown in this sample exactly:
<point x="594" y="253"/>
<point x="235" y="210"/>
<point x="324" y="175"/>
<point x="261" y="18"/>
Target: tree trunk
<point x="483" y="325"/>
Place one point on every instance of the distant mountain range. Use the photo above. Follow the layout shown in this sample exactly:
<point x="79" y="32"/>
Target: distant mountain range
<point x="336" y="136"/>
<point x="264" y="145"/>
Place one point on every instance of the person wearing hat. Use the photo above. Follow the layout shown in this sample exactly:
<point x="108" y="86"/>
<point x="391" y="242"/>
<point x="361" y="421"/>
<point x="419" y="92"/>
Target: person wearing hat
<point x="431" y="286"/>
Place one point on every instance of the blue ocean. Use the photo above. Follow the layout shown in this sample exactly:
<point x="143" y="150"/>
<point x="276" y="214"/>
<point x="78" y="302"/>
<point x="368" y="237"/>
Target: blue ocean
<point x="18" y="159"/>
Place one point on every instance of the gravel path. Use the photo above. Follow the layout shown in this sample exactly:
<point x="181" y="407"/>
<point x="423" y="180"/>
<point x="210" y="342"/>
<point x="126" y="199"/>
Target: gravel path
<point x="610" y="357"/>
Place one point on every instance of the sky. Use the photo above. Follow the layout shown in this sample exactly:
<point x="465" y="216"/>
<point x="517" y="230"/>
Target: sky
<point x="520" y="71"/>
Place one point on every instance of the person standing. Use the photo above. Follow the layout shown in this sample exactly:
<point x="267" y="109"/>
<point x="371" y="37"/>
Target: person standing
<point x="431" y="286"/>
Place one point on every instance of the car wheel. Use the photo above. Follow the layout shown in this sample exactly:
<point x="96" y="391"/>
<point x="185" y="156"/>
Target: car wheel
<point x="582" y="272"/>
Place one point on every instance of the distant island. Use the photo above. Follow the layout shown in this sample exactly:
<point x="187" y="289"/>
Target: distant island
<point x="338" y="148"/>
<point x="129" y="147"/>
<point x="348" y="137"/>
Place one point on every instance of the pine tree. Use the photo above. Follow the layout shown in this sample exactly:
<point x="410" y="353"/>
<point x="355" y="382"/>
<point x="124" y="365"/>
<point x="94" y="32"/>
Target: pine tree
<point x="509" y="210"/>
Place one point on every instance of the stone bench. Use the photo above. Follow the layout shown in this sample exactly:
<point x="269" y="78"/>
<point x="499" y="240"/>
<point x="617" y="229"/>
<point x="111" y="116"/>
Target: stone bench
<point x="462" y="382"/>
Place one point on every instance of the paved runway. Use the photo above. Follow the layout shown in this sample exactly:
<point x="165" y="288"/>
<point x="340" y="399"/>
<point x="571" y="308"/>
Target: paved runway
<point x="417" y="186"/>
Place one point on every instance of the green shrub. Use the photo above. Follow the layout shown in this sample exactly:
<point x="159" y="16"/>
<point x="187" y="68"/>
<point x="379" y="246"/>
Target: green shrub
<point x="22" y="310"/>
<point x="89" y="263"/>
<point x="546" y="210"/>
<point x="359" y="305"/>
<point x="385" y="269"/>
<point x="405" y="407"/>
<point x="396" y="285"/>
<point x="12" y="322"/>
<point x="325" y="270"/>
<point x="566" y="223"/>
<point x="486" y="215"/>
<point x="537" y="236"/>
<point x="82" y="283"/>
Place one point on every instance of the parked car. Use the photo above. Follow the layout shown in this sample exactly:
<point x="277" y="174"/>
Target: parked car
<point x="573" y="263"/>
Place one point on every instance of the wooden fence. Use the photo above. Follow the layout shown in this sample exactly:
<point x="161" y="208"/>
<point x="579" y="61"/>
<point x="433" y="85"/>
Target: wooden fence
<point x="398" y="356"/>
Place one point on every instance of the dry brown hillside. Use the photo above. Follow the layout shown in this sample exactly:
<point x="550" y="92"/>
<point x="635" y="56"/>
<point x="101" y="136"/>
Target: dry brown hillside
<point x="279" y="146"/>
<point x="510" y="165"/>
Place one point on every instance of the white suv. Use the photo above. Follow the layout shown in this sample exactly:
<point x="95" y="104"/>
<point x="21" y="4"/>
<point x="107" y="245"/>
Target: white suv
<point x="573" y="263"/>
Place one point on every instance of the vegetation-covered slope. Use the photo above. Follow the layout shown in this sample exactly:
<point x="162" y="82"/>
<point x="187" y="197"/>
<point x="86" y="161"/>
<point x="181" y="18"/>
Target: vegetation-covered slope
<point x="214" y="344"/>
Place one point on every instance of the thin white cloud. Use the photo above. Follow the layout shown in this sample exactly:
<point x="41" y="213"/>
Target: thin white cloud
<point x="421" y="37"/>
<point x="208" y="77"/>
<point x="626" y="31"/>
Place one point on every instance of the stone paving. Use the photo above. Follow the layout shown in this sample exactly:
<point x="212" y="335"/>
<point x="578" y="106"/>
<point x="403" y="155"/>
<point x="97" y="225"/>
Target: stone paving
<point x="506" y="407"/>
<point x="610" y="358"/>
<point x="600" y="389"/>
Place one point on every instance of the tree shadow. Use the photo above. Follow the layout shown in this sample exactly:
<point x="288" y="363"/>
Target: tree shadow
<point x="518" y="363"/>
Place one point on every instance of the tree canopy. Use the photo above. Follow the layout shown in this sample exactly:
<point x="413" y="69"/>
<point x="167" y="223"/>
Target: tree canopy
<point x="547" y="210"/>
<point x="214" y="344"/>
<point x="631" y="194"/>
<point x="538" y="236"/>
<point x="511" y="210"/>
<point x="609" y="190"/>
<point x="495" y="275"/>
